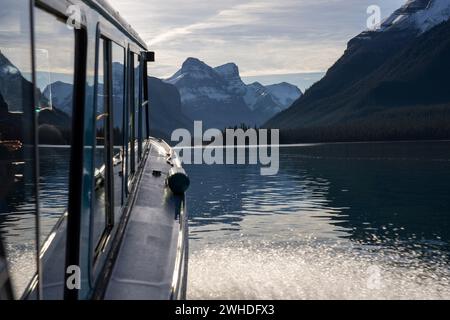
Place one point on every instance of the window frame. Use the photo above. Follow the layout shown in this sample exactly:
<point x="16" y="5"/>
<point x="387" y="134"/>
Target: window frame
<point x="132" y="156"/>
<point x="124" y="115"/>
<point x="74" y="212"/>
<point x="98" y="248"/>
<point x="140" y="113"/>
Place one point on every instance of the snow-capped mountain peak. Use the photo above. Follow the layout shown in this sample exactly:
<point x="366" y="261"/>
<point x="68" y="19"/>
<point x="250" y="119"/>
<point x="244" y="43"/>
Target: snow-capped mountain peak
<point x="411" y="20"/>
<point x="194" y="64"/>
<point x="207" y="92"/>
<point x="284" y="93"/>
<point x="230" y="73"/>
<point x="255" y="92"/>
<point x="437" y="12"/>
<point x="421" y="15"/>
<point x="196" y="69"/>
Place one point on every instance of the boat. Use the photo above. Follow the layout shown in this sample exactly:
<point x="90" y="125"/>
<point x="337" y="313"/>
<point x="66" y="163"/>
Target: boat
<point x="91" y="206"/>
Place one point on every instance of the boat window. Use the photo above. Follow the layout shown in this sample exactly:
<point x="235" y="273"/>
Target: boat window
<point x="103" y="158"/>
<point x="137" y="107"/>
<point x="118" y="93"/>
<point x="144" y="108"/>
<point x="17" y="161"/>
<point x="54" y="79"/>
<point x="55" y="63"/>
<point x="131" y="115"/>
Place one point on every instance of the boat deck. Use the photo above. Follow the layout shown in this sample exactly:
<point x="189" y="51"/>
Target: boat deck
<point x="145" y="266"/>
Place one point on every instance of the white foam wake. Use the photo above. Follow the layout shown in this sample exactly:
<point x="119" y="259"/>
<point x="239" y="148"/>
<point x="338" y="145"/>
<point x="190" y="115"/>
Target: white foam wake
<point x="241" y="271"/>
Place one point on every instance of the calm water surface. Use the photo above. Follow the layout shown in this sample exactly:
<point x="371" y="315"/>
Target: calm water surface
<point x="338" y="221"/>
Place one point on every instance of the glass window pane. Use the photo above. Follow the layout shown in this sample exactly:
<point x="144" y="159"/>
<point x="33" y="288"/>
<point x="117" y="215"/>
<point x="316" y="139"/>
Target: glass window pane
<point x="136" y="106"/>
<point x="118" y="90"/>
<point x="101" y="159"/>
<point x="54" y="76"/>
<point x="55" y="63"/>
<point x="131" y="130"/>
<point x="143" y="117"/>
<point x="17" y="189"/>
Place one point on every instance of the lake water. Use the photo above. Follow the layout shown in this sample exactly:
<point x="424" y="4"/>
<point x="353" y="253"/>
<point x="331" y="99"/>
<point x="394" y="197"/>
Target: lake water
<point x="339" y="221"/>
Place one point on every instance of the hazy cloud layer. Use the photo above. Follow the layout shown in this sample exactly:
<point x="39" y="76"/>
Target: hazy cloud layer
<point x="261" y="36"/>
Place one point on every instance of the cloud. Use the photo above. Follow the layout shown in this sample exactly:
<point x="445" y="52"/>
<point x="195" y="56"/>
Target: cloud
<point x="261" y="36"/>
<point x="243" y="14"/>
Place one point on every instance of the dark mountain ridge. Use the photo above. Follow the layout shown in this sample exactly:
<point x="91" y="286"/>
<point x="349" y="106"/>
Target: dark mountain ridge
<point x="391" y="86"/>
<point x="165" y="109"/>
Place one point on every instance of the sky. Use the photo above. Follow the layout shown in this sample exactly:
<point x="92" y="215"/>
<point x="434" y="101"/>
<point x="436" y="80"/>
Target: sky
<point x="263" y="37"/>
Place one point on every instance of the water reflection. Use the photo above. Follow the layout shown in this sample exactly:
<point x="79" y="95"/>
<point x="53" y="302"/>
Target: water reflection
<point x="368" y="193"/>
<point x="53" y="184"/>
<point x="19" y="215"/>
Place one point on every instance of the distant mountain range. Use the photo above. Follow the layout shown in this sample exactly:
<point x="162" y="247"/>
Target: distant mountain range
<point x="219" y="97"/>
<point x="392" y="83"/>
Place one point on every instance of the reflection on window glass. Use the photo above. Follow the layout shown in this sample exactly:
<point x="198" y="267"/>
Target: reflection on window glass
<point x="136" y="106"/>
<point x="131" y="130"/>
<point x="54" y="76"/>
<point x="118" y="89"/>
<point x="101" y="152"/>
<point x="144" y="114"/>
<point x="17" y="192"/>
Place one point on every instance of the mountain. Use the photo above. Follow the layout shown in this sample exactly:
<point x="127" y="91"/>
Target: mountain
<point x="284" y="93"/>
<point x="17" y="111"/>
<point x="389" y="84"/>
<point x="165" y="109"/>
<point x="220" y="98"/>
<point x="234" y="83"/>
<point x="207" y="96"/>
<point x="264" y="101"/>
<point x="261" y="102"/>
<point x="421" y="15"/>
